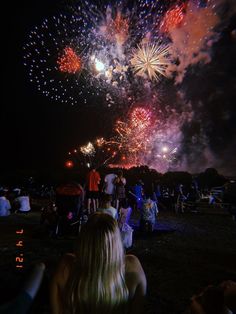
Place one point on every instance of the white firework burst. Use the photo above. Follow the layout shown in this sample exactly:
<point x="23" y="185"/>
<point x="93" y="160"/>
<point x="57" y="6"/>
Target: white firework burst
<point x="150" y="60"/>
<point x="88" y="149"/>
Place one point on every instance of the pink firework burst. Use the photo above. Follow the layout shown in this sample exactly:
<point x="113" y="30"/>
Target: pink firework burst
<point x="140" y="118"/>
<point x="116" y="29"/>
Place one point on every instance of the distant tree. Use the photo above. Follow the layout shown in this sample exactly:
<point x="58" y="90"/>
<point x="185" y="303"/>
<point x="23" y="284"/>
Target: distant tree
<point x="147" y="175"/>
<point x="177" y="177"/>
<point x="210" y="178"/>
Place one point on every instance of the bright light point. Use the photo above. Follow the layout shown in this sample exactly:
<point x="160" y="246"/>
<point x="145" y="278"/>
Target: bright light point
<point x="88" y="165"/>
<point x="69" y="164"/>
<point x="99" y="65"/>
<point x="165" y="149"/>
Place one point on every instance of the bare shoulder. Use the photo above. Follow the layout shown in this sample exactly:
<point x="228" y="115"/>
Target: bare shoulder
<point x="64" y="267"/>
<point x="67" y="260"/>
<point x="132" y="263"/>
<point x="134" y="273"/>
<point x="136" y="283"/>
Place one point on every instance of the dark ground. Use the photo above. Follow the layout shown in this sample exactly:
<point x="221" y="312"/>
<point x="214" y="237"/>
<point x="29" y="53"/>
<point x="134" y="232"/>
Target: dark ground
<point x="187" y="252"/>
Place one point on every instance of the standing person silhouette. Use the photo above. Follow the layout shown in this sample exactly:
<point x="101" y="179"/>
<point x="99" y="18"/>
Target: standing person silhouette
<point x="109" y="186"/>
<point x="92" y="190"/>
<point x="149" y="213"/>
<point x="120" y="183"/>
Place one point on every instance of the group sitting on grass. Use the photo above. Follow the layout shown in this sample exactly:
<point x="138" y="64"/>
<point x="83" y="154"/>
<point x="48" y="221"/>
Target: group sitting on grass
<point x="100" y="278"/>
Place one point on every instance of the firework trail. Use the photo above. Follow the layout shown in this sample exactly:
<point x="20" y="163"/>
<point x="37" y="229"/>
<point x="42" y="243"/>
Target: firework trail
<point x="144" y="139"/>
<point x="149" y="139"/>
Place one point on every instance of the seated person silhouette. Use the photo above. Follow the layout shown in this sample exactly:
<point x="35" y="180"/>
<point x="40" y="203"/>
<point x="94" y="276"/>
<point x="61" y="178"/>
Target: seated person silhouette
<point x="105" y="206"/>
<point x="220" y="299"/>
<point x="98" y="277"/>
<point x="22" y="302"/>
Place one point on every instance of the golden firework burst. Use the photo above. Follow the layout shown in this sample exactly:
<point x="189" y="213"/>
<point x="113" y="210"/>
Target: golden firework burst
<point x="150" y="60"/>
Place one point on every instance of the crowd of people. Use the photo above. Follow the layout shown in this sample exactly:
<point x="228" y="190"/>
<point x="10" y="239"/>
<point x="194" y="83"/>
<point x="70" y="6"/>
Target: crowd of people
<point x="18" y="202"/>
<point x="99" y="277"/>
<point x="111" y="196"/>
<point x="110" y="192"/>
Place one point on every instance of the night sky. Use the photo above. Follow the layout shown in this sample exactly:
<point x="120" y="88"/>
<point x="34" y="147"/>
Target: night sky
<point x="37" y="133"/>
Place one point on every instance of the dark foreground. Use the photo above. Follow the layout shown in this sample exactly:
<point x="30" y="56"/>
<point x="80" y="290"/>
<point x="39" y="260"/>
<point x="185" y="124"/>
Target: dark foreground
<point x="187" y="252"/>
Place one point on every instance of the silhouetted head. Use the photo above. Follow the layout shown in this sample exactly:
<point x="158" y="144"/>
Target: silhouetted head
<point x="105" y="200"/>
<point x="120" y="173"/>
<point x="97" y="284"/>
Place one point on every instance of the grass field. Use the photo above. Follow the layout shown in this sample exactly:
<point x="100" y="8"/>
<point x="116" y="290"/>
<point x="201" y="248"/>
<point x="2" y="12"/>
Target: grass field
<point x="185" y="253"/>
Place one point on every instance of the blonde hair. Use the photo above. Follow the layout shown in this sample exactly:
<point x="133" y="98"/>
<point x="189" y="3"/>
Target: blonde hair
<point x="97" y="283"/>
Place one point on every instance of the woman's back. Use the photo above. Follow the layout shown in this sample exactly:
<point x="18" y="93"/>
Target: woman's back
<point x="135" y="281"/>
<point x="98" y="278"/>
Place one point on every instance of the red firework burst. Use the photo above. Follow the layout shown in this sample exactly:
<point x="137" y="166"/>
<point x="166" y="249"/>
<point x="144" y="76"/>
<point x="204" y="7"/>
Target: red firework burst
<point x="140" y="118"/>
<point x="173" y="18"/>
<point x="69" y="62"/>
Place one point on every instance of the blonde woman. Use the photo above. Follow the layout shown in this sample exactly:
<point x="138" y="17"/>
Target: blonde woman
<point x="98" y="278"/>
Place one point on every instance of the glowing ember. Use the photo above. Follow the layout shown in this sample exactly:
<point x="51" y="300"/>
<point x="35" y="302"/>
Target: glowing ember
<point x="69" y="164"/>
<point x="69" y="62"/>
<point x="88" y="150"/>
<point x="173" y="18"/>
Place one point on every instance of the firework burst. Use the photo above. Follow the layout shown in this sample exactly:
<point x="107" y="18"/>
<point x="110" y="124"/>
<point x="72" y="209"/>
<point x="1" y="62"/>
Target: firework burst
<point x="54" y="58"/>
<point x="132" y="136"/>
<point x="87" y="50"/>
<point x="88" y="149"/>
<point x="145" y="137"/>
<point x="140" y="118"/>
<point x="150" y="60"/>
<point x="115" y="30"/>
<point x="173" y="18"/>
<point x="69" y="62"/>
